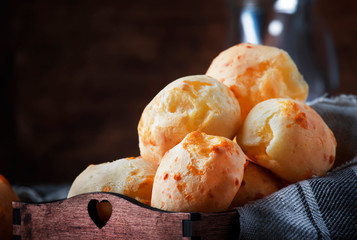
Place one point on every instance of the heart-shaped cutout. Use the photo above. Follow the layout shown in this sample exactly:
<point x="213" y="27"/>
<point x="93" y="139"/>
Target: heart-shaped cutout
<point x="100" y="212"/>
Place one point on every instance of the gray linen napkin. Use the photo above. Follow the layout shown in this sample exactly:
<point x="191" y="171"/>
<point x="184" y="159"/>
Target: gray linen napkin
<point x="42" y="192"/>
<point x="321" y="207"/>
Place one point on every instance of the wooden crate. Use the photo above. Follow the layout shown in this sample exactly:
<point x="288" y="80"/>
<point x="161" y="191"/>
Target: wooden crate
<point x="77" y="218"/>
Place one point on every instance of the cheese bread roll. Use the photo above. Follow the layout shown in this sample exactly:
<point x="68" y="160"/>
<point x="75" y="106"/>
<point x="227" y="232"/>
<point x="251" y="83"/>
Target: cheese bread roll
<point x="188" y="104"/>
<point x="7" y="196"/>
<point x="257" y="183"/>
<point x="256" y="73"/>
<point x="132" y="177"/>
<point x="200" y="174"/>
<point x="289" y="138"/>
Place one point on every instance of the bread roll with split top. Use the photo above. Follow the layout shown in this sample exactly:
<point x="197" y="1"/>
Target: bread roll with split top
<point x="192" y="103"/>
<point x="289" y="138"/>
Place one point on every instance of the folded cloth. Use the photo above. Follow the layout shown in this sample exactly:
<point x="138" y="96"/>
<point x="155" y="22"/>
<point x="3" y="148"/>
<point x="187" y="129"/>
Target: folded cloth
<point x="340" y="114"/>
<point x="42" y="192"/>
<point x="321" y="207"/>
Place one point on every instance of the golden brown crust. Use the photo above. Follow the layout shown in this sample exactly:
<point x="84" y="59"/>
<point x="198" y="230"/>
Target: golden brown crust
<point x="202" y="173"/>
<point x="289" y="138"/>
<point x="188" y="104"/>
<point x="256" y="73"/>
<point x="257" y="183"/>
<point x="132" y="177"/>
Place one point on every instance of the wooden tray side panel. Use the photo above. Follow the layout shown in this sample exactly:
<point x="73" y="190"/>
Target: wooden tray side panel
<point x="69" y="219"/>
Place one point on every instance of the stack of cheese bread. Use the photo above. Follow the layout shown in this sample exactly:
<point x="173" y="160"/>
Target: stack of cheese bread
<point x="213" y="142"/>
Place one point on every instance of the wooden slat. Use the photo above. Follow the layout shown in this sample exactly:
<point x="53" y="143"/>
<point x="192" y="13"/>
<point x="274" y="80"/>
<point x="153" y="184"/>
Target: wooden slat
<point x="69" y="219"/>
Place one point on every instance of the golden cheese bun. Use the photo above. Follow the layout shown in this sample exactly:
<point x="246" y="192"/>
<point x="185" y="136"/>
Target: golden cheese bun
<point x="257" y="183"/>
<point x="193" y="103"/>
<point x="7" y="196"/>
<point x="132" y="177"/>
<point x="289" y="138"/>
<point x="200" y="174"/>
<point x="256" y="73"/>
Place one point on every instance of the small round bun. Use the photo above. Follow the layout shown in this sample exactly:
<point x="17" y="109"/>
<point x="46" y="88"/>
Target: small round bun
<point x="257" y="183"/>
<point x="7" y="196"/>
<point x="193" y="103"/>
<point x="200" y="174"/>
<point x="289" y="138"/>
<point x="132" y="177"/>
<point x="256" y="73"/>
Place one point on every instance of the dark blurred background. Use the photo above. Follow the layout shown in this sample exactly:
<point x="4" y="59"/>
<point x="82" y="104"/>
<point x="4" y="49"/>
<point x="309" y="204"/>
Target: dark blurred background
<point x="76" y="75"/>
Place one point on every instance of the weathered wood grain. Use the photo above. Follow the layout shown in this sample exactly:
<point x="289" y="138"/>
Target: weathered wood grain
<point x="69" y="219"/>
<point x="74" y="218"/>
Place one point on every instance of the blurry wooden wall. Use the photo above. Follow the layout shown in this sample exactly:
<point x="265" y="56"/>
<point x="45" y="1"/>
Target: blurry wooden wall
<point x="76" y="75"/>
<point x="79" y="73"/>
